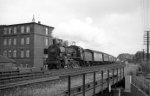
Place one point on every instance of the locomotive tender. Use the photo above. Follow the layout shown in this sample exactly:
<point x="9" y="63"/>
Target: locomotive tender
<point x="75" y="56"/>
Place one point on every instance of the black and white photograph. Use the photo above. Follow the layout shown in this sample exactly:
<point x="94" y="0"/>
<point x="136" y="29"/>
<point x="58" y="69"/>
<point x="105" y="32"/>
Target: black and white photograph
<point x="74" y="48"/>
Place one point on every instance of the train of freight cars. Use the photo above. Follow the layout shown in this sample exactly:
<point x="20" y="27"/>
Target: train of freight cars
<point x="74" y="56"/>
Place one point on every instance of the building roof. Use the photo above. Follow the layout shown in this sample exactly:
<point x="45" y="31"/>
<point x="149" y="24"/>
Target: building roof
<point x="4" y="59"/>
<point x="27" y="23"/>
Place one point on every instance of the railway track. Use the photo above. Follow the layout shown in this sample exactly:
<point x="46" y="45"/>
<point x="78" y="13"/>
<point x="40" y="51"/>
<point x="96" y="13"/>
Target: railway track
<point x="9" y="77"/>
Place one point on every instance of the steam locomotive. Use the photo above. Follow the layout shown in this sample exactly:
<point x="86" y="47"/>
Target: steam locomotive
<point x="75" y="56"/>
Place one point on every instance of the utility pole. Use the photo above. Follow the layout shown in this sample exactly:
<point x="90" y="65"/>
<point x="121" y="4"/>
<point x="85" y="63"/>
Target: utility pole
<point x="143" y="55"/>
<point x="147" y="46"/>
<point x="146" y="42"/>
<point x="145" y="5"/>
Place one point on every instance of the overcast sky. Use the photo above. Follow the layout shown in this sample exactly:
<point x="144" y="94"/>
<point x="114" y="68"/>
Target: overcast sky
<point x="111" y="26"/>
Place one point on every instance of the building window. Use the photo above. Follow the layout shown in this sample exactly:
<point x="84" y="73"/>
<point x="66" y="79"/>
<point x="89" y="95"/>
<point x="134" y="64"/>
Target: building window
<point x="22" y="41"/>
<point x="28" y="29"/>
<point x="46" y="41"/>
<point x="5" y="53"/>
<point x="15" y="41"/>
<point x="9" y="31"/>
<point x="26" y="65"/>
<point x="5" y="41"/>
<point x="14" y="65"/>
<point x="9" y="42"/>
<point x="14" y="53"/>
<point x="22" y="53"/>
<point x="9" y="53"/>
<point x="5" y="31"/>
<point x="27" y="53"/>
<point x="46" y="31"/>
<point x="22" y="29"/>
<point x="27" y="40"/>
<point x="21" y="65"/>
<point x="15" y="30"/>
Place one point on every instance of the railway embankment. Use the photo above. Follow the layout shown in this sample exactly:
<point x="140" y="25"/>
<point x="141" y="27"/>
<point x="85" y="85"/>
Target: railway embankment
<point x="57" y="83"/>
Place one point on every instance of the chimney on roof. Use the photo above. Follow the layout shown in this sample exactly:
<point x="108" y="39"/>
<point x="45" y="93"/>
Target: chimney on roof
<point x="39" y="22"/>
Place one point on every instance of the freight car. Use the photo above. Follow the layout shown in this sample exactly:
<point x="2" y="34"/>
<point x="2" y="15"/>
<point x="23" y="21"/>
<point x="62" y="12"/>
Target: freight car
<point x="75" y="56"/>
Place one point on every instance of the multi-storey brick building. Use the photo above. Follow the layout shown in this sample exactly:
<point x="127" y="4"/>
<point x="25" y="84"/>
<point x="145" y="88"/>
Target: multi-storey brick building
<point x="25" y="43"/>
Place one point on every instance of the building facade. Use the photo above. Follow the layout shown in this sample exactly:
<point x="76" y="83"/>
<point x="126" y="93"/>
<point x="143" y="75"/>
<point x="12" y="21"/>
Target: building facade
<point x="25" y="43"/>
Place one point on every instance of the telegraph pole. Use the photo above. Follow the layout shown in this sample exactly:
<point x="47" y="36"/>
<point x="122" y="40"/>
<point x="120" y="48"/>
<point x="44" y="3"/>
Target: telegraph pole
<point x="143" y="55"/>
<point x="147" y="46"/>
<point x="145" y="5"/>
<point x="146" y="42"/>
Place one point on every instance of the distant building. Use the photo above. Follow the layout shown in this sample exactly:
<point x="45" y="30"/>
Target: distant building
<point x="25" y="43"/>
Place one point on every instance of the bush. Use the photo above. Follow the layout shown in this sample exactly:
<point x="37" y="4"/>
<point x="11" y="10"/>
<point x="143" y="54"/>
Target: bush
<point x="145" y="67"/>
